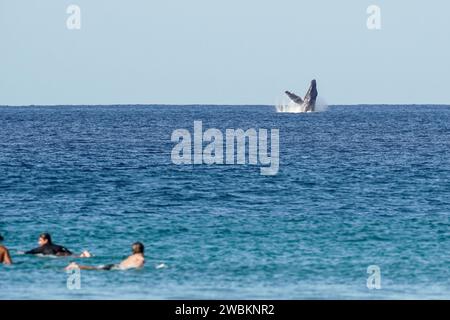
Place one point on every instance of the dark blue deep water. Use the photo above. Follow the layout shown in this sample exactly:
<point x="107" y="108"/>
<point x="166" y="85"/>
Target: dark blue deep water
<point x="357" y="186"/>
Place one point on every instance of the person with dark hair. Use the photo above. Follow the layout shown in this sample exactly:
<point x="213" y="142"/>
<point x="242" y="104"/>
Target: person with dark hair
<point x="135" y="261"/>
<point x="5" y="257"/>
<point x="47" y="247"/>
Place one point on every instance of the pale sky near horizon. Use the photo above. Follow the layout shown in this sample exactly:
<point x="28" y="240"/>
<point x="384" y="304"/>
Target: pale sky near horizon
<point x="223" y="52"/>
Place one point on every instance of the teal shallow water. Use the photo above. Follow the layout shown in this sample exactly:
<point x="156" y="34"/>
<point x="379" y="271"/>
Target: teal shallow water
<point x="357" y="186"/>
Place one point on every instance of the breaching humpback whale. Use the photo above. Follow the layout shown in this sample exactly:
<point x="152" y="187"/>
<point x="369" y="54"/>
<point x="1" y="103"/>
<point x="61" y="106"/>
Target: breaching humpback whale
<point x="309" y="102"/>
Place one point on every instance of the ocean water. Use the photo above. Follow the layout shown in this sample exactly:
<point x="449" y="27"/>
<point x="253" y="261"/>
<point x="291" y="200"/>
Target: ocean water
<point x="357" y="186"/>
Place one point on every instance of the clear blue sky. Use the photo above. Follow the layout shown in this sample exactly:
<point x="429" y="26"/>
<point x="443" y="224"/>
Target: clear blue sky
<point x="223" y="52"/>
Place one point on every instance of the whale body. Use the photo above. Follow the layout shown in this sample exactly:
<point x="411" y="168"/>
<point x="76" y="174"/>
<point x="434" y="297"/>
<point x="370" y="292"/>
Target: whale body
<point x="308" y="103"/>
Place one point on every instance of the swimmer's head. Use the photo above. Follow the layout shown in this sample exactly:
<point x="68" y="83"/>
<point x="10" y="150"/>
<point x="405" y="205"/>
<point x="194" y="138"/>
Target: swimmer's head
<point x="44" y="239"/>
<point x="1" y="238"/>
<point x="137" y="247"/>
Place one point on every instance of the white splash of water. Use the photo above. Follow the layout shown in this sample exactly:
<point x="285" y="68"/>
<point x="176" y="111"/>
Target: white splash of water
<point x="292" y="107"/>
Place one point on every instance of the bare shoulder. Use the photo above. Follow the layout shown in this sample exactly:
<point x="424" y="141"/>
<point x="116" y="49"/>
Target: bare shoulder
<point x="3" y="251"/>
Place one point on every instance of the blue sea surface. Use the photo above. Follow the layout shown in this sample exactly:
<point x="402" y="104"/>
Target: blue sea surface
<point x="357" y="186"/>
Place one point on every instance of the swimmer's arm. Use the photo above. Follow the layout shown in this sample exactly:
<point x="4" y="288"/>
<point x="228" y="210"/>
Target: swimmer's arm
<point x="87" y="268"/>
<point x="7" y="257"/>
<point x="34" y="251"/>
<point x="74" y="265"/>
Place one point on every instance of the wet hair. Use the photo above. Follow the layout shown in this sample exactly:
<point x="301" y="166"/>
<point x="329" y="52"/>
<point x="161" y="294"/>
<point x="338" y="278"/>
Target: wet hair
<point x="138" y="247"/>
<point x="46" y="236"/>
<point x="1" y="238"/>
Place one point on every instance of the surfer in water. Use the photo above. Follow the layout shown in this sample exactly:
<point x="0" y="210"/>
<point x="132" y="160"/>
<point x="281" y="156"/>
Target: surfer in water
<point x="47" y="247"/>
<point x="5" y="257"/>
<point x="135" y="261"/>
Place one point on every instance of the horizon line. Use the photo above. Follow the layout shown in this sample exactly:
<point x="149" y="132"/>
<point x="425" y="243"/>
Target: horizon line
<point x="213" y="105"/>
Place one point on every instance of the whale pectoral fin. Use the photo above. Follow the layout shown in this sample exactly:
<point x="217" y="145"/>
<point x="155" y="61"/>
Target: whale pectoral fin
<point x="294" y="97"/>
